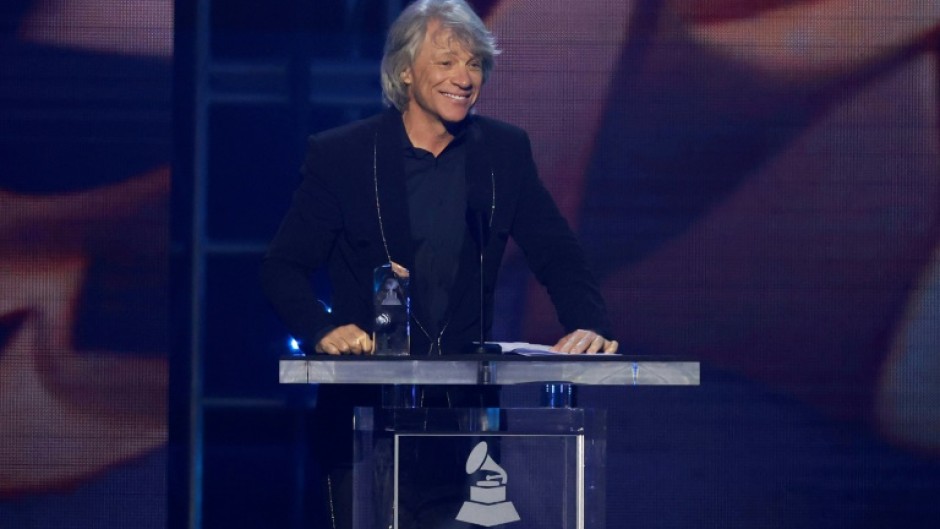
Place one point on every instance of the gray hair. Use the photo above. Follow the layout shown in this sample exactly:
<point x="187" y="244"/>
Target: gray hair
<point x="407" y="34"/>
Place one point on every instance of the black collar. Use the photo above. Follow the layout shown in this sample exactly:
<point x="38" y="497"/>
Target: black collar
<point x="458" y="131"/>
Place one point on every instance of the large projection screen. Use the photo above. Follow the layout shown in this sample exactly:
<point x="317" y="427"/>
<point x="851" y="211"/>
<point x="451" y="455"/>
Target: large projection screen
<point x="85" y="135"/>
<point x="757" y="184"/>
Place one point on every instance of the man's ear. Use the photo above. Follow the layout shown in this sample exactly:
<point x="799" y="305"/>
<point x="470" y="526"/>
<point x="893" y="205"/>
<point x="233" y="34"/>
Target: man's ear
<point x="406" y="76"/>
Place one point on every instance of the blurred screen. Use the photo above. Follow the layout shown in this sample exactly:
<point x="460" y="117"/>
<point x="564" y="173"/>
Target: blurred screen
<point x="85" y="135"/>
<point x="757" y="184"/>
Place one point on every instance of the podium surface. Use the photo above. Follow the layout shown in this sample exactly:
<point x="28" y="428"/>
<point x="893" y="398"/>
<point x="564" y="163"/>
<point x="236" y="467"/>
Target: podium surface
<point x="506" y="369"/>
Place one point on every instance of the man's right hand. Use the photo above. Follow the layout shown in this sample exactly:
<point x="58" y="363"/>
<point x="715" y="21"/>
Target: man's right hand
<point x="348" y="339"/>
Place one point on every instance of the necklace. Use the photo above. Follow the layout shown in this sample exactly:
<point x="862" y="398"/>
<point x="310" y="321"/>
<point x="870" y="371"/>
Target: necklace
<point x="378" y="210"/>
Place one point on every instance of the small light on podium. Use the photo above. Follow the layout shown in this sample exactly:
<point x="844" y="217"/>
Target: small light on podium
<point x="293" y="346"/>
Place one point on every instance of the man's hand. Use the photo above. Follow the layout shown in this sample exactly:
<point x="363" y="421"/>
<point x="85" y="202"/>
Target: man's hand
<point x="582" y="341"/>
<point x="348" y="339"/>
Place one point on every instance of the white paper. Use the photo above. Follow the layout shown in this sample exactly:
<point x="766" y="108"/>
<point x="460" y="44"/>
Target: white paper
<point x="530" y="349"/>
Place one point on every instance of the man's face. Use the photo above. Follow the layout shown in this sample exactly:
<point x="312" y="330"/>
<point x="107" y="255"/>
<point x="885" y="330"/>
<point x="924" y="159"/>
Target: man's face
<point x="445" y="80"/>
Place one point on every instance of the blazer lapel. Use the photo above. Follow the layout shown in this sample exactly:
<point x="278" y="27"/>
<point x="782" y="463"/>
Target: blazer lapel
<point x="479" y="199"/>
<point x="389" y="172"/>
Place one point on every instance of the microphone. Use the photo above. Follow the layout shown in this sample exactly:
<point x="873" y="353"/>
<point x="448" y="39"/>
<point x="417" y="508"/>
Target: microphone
<point x="479" y="230"/>
<point x="382" y="320"/>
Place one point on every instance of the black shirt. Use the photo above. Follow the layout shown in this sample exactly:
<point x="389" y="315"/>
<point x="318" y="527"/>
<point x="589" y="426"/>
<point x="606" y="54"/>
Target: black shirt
<point x="437" y="198"/>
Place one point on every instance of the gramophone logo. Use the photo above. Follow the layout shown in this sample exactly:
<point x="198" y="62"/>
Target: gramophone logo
<point x="487" y="505"/>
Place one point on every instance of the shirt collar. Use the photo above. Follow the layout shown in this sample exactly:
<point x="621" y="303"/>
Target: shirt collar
<point x="459" y="131"/>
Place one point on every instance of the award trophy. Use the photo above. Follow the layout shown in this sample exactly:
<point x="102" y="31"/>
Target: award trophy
<point x="392" y="303"/>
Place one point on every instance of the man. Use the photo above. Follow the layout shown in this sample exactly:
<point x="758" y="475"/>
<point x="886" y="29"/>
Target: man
<point x="397" y="187"/>
<point x="405" y="187"/>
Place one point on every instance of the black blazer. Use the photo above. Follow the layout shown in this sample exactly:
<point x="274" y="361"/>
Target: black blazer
<point x="354" y="175"/>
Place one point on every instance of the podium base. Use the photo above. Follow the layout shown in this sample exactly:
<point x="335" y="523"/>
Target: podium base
<point x="421" y="467"/>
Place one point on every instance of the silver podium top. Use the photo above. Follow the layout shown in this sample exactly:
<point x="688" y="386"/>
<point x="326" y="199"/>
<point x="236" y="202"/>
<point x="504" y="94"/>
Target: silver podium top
<point x="600" y="370"/>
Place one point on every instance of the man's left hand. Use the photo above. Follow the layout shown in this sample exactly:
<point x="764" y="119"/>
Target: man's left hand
<point x="583" y="341"/>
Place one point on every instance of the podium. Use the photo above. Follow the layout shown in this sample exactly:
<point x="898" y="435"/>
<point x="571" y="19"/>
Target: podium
<point x="514" y="467"/>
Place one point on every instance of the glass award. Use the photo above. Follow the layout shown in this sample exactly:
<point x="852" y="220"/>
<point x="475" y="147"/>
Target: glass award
<point x="392" y="304"/>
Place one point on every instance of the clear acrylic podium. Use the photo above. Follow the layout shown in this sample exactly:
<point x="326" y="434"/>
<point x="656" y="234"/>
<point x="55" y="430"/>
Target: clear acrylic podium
<point x="520" y="468"/>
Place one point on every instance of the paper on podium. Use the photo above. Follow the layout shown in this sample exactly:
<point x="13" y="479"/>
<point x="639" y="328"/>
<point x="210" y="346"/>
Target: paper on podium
<point x="528" y="349"/>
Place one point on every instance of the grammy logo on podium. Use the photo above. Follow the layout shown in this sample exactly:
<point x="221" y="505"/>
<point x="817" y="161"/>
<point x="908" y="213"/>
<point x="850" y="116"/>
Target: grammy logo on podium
<point x="487" y="505"/>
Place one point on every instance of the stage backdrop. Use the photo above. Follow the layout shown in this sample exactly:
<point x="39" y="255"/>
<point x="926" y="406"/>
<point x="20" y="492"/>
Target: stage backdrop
<point x="758" y="187"/>
<point x="757" y="184"/>
<point x="85" y="147"/>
